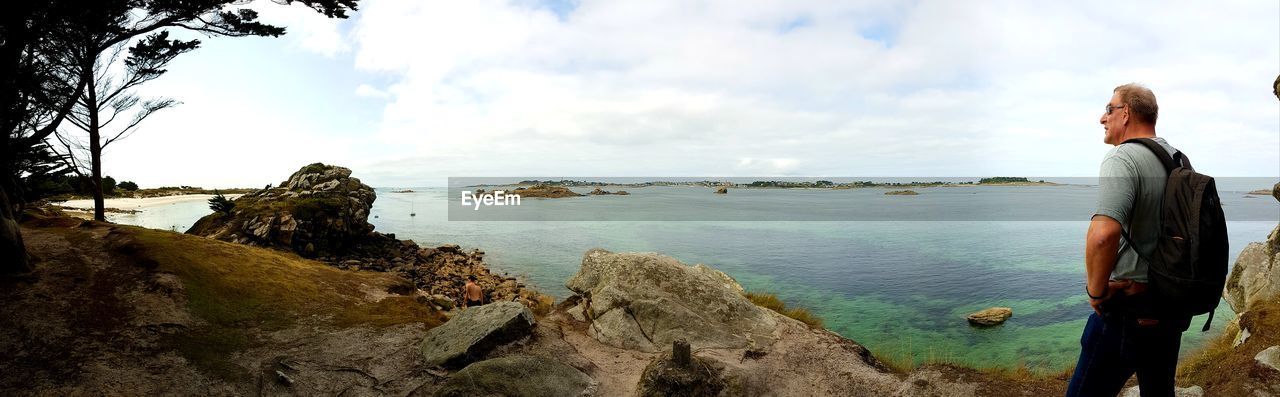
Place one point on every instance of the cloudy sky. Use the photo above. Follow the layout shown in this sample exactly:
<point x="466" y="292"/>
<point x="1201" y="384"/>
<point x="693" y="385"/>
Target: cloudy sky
<point x="407" y="93"/>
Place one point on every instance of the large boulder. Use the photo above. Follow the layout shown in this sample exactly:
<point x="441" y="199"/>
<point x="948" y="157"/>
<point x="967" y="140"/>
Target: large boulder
<point x="475" y="332"/>
<point x="645" y="301"/>
<point x="320" y="210"/>
<point x="518" y="376"/>
<point x="1256" y="274"/>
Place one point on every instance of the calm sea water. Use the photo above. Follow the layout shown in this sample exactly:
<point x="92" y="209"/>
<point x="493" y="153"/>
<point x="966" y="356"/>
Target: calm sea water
<point x="901" y="288"/>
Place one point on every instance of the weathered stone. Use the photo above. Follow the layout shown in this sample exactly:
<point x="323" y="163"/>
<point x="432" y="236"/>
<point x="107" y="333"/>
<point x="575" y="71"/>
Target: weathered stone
<point x="319" y="210"/>
<point x="666" y="376"/>
<point x="475" y="332"/>
<point x="443" y="301"/>
<point x="645" y="301"/>
<point x="991" y="316"/>
<point x="723" y="190"/>
<point x="1253" y="277"/>
<point x="1269" y="357"/>
<point x="517" y="376"/>
<point x="1193" y="391"/>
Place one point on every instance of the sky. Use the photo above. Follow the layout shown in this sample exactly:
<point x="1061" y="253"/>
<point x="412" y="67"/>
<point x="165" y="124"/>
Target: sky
<point x="408" y="93"/>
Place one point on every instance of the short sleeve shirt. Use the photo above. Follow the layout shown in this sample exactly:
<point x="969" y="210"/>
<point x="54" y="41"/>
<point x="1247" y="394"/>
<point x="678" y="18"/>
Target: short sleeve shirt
<point x="1130" y="190"/>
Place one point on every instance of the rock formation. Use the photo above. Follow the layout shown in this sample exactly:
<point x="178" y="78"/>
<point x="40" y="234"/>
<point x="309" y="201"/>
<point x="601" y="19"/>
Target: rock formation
<point x="518" y="376"/>
<point x="723" y="190"/>
<point x="602" y="192"/>
<point x="645" y="301"/>
<point x="475" y="332"/>
<point x="901" y="193"/>
<point x="1256" y="274"/>
<point x="991" y="316"/>
<point x="319" y="210"/>
<point x="544" y="191"/>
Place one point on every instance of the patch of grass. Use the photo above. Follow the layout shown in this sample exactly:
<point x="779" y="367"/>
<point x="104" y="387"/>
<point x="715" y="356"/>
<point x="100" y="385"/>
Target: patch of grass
<point x="771" y="302"/>
<point x="240" y="291"/>
<point x="1226" y="370"/>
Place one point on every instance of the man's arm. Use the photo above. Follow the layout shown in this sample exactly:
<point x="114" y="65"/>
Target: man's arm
<point x="1102" y="243"/>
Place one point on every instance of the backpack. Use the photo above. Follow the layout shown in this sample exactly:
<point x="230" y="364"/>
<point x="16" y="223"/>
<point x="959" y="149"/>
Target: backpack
<point x="1188" y="269"/>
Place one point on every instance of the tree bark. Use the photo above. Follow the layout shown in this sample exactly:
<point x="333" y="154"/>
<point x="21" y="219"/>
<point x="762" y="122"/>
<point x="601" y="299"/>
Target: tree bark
<point x="13" y="252"/>
<point x="95" y="150"/>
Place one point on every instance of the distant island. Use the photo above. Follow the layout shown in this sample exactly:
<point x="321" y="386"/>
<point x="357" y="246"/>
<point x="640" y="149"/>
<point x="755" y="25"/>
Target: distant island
<point x="821" y="184"/>
<point x="1260" y="192"/>
<point x="902" y="193"/>
<point x="403" y="191"/>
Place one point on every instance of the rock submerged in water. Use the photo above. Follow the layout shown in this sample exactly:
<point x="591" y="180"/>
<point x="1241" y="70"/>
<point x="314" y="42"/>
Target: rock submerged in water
<point x="475" y="332"/>
<point x="991" y="316"/>
<point x="723" y="190"/>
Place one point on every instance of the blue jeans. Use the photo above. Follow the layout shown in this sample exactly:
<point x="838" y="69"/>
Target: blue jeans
<point x="1113" y="349"/>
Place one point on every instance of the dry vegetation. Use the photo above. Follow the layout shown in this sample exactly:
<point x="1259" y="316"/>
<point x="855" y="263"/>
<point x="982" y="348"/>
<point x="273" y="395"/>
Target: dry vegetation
<point x="771" y="302"/>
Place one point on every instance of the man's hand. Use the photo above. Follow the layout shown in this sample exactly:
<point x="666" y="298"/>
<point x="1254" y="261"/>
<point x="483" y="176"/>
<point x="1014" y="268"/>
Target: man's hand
<point x="1113" y="287"/>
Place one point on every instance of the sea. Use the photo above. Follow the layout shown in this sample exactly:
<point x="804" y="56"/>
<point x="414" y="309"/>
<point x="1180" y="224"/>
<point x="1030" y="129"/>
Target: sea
<point x="897" y="274"/>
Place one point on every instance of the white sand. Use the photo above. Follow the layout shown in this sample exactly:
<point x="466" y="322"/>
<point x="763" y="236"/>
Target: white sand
<point x="142" y="203"/>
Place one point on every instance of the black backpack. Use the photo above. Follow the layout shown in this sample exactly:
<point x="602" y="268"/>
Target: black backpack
<point x="1188" y="270"/>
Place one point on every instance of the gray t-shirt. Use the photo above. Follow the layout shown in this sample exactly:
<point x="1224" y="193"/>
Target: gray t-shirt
<point x="1131" y="175"/>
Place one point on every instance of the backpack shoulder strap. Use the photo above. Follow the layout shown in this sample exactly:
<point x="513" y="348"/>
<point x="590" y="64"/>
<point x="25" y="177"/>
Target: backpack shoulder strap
<point x="1169" y="162"/>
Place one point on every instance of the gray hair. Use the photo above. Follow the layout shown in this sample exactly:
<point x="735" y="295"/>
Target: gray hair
<point x="1140" y="101"/>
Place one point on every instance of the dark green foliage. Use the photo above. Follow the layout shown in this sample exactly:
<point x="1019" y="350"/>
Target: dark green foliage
<point x="109" y="186"/>
<point x="314" y="168"/>
<point x="127" y="186"/>
<point x="1003" y="179"/>
<point x="220" y="203"/>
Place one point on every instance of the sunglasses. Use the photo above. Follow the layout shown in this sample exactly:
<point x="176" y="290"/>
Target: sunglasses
<point x="1110" y="108"/>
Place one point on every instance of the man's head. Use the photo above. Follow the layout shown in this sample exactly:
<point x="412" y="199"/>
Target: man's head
<point x="471" y="278"/>
<point x="1131" y="113"/>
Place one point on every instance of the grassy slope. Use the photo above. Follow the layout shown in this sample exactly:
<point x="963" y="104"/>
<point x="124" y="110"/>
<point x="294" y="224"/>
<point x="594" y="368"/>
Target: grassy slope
<point x="1223" y="370"/>
<point x="240" y="291"/>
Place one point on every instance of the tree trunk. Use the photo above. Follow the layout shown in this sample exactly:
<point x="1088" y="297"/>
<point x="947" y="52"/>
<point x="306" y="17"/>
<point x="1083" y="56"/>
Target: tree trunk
<point x="95" y="151"/>
<point x="13" y="253"/>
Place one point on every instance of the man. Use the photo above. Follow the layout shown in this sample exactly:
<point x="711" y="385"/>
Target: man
<point x="472" y="295"/>
<point x="1123" y="336"/>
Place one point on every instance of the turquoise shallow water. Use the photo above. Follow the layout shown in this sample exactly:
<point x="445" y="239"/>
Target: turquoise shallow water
<point x="901" y="288"/>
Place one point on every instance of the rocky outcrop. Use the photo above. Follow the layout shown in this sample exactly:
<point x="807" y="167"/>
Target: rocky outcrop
<point x="518" y="376"/>
<point x="475" y="332"/>
<point x="723" y="190"/>
<point x="1256" y="274"/>
<point x="320" y="210"/>
<point x="322" y="213"/>
<point x="902" y="193"/>
<point x="545" y="191"/>
<point x="602" y="192"/>
<point x="990" y="317"/>
<point x="644" y="301"/>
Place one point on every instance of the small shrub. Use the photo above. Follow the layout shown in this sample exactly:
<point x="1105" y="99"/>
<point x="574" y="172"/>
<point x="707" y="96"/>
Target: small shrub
<point x="220" y="203"/>
<point x="127" y="186"/>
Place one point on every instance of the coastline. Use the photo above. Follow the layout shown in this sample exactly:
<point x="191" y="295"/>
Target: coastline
<point x="137" y="204"/>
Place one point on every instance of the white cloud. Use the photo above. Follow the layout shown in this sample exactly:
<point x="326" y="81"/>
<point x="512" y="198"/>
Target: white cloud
<point x="365" y="90"/>
<point x="719" y="87"/>
<point x="305" y="28"/>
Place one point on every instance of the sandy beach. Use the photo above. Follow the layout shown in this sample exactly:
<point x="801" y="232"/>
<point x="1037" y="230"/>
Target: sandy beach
<point x="141" y="204"/>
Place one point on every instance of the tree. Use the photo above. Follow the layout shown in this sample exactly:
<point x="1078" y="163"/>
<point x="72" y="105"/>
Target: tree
<point x="220" y="203"/>
<point x="42" y="76"/>
<point x="108" y="95"/>
<point x="127" y="186"/>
